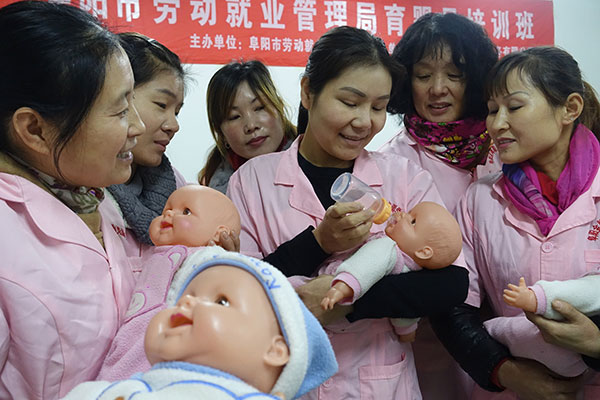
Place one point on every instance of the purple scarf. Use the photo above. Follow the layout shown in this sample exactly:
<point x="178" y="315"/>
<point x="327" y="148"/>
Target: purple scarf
<point x="524" y="190"/>
<point x="464" y="143"/>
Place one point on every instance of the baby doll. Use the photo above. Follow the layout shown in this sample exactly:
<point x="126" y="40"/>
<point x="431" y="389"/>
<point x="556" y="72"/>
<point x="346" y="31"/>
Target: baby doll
<point x="525" y="340"/>
<point x="235" y="328"/>
<point x="193" y="216"/>
<point x="428" y="234"/>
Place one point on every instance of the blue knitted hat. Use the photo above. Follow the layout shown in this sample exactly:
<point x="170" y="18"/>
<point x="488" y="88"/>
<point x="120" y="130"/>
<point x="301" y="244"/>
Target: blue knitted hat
<point x="312" y="360"/>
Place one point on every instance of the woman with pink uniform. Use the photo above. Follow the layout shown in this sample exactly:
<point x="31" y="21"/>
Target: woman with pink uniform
<point x="159" y="91"/>
<point x="345" y="91"/>
<point x="447" y="57"/>
<point x="68" y="126"/>
<point x="534" y="220"/>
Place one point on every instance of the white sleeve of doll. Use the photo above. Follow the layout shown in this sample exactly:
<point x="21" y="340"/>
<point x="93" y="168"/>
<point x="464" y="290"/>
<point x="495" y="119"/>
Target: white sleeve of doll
<point x="581" y="293"/>
<point x="371" y="262"/>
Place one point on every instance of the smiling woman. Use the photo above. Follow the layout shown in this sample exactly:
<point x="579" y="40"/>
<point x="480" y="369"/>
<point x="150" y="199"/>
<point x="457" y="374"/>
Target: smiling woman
<point x="68" y="126"/>
<point x="534" y="220"/>
<point x="247" y="118"/>
<point x="281" y="196"/>
<point x="159" y="90"/>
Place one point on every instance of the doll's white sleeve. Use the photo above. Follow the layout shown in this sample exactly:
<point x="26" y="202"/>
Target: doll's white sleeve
<point x="370" y="263"/>
<point x="581" y="293"/>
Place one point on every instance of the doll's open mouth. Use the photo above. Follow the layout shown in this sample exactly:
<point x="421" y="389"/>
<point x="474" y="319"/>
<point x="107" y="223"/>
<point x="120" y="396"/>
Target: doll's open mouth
<point x="165" y="225"/>
<point x="179" y="319"/>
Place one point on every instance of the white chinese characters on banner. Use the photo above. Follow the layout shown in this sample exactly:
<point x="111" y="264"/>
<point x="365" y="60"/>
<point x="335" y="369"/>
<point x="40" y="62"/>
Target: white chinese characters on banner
<point x="395" y="17"/>
<point x="204" y="11"/>
<point x="281" y="32"/>
<point x="272" y="12"/>
<point x="131" y="7"/>
<point x="237" y="13"/>
<point x="336" y="13"/>
<point x="306" y="11"/>
<point x="167" y="10"/>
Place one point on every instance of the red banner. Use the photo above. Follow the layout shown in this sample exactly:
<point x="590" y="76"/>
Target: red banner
<point x="282" y="32"/>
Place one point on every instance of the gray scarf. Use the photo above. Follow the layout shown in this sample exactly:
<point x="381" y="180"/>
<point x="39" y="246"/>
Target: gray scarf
<point x="144" y="197"/>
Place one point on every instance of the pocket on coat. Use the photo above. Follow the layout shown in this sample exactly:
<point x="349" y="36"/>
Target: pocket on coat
<point x="388" y="382"/>
<point x="592" y="260"/>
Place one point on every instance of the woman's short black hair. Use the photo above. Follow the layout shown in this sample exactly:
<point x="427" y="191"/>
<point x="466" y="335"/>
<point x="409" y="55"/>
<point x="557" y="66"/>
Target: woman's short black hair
<point x="149" y="57"/>
<point x="472" y="52"/>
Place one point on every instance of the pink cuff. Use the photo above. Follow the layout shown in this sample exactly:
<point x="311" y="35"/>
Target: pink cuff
<point x="540" y="295"/>
<point x="352" y="282"/>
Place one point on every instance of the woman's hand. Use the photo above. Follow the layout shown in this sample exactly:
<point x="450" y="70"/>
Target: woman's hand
<point x="576" y="332"/>
<point x="344" y="226"/>
<point x="230" y="241"/>
<point x="312" y="293"/>
<point x="531" y="380"/>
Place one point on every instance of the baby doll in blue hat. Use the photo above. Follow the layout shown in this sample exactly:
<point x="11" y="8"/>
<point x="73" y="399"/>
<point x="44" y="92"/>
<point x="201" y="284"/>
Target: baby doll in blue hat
<point x="233" y="328"/>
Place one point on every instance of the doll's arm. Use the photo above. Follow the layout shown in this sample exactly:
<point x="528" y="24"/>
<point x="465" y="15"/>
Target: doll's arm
<point x="580" y="292"/>
<point x="339" y="291"/>
<point x="405" y="328"/>
<point x="370" y="263"/>
<point x="520" y="296"/>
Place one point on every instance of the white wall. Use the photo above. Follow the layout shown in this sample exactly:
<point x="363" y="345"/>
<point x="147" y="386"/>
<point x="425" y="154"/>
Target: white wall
<point x="576" y="30"/>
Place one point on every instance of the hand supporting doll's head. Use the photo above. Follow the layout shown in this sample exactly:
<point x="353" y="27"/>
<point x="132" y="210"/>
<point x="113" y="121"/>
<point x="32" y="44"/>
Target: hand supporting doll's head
<point x="195" y="215"/>
<point x="241" y="316"/>
<point x="428" y="234"/>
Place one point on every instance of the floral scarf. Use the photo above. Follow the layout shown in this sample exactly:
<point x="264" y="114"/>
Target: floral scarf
<point x="525" y="192"/>
<point x="80" y="199"/>
<point x="464" y="143"/>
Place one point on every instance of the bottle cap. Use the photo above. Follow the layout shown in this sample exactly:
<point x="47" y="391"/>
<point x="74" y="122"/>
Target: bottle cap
<point x="384" y="214"/>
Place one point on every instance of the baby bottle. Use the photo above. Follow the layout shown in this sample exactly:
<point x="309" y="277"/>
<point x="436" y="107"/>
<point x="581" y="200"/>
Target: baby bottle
<point x="348" y="188"/>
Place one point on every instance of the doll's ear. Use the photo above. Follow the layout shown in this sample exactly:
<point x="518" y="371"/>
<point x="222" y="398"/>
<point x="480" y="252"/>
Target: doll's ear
<point x="278" y="353"/>
<point x="424" y="253"/>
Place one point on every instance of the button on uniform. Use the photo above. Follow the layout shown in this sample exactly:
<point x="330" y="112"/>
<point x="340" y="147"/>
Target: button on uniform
<point x="547" y="247"/>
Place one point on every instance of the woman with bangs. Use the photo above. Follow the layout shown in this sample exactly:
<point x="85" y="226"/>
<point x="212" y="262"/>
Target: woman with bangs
<point x="247" y="118"/>
<point x="531" y="220"/>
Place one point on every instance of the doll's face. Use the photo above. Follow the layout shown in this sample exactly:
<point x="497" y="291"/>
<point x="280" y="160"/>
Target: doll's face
<point x="194" y="215"/>
<point x="427" y="225"/>
<point x="223" y="320"/>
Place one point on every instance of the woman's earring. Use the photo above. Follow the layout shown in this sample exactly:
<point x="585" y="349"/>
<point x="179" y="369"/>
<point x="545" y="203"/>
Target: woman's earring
<point x="227" y="146"/>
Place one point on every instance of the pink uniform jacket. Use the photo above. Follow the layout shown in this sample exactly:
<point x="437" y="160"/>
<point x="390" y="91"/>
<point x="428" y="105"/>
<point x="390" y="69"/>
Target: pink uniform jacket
<point x="62" y="296"/>
<point x="501" y="244"/>
<point x="276" y="202"/>
<point x="441" y="378"/>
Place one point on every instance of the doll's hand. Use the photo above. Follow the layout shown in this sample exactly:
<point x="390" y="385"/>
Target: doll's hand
<point x="345" y="225"/>
<point x="531" y="380"/>
<point x="520" y="296"/>
<point x="407" y="337"/>
<point x="313" y="291"/>
<point x="332" y="297"/>
<point x="576" y="332"/>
